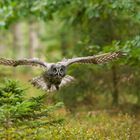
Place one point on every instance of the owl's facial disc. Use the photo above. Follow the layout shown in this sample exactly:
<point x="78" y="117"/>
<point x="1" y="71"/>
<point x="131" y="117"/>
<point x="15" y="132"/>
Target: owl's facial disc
<point x="58" y="70"/>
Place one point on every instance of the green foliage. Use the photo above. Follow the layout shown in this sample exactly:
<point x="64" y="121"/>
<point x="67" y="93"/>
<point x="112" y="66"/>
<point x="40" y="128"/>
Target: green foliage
<point x="80" y="28"/>
<point x="82" y="10"/>
<point x="16" y="109"/>
<point x="73" y="28"/>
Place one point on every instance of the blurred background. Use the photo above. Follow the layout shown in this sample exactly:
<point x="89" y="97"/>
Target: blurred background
<point x="52" y="30"/>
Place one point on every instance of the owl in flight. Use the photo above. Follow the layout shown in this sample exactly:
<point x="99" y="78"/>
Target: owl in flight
<point x="54" y="75"/>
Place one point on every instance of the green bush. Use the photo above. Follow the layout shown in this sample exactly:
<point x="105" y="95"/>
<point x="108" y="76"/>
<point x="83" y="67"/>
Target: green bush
<point x="16" y="110"/>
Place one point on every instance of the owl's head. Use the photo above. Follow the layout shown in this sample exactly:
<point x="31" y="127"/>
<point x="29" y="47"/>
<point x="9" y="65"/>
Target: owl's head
<point x="57" y="70"/>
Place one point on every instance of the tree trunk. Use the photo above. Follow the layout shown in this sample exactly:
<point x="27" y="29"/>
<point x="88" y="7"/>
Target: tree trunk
<point x="63" y="45"/>
<point x="18" y="48"/>
<point x="33" y="40"/>
<point x="115" y="93"/>
<point x="16" y="45"/>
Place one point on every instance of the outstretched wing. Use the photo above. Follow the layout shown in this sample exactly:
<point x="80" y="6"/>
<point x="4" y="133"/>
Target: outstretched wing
<point x="14" y="63"/>
<point x="95" y="59"/>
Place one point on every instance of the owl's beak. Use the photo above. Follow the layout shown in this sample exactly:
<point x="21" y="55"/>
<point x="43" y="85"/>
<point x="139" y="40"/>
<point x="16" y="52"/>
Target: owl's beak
<point x="58" y="75"/>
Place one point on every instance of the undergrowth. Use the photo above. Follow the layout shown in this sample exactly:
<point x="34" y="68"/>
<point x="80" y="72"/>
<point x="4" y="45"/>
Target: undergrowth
<point x="22" y="118"/>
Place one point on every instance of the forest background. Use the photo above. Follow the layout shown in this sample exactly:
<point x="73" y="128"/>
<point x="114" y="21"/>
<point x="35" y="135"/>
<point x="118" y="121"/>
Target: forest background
<point x="52" y="30"/>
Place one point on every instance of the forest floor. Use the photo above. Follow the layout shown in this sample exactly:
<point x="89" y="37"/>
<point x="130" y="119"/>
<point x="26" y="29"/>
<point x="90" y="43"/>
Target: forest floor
<point x="96" y="125"/>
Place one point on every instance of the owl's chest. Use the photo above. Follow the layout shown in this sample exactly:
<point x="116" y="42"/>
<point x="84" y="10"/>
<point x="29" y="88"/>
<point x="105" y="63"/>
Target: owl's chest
<point x="52" y="79"/>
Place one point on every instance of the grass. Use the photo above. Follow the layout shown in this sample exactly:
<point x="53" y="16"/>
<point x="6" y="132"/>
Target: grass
<point x="82" y="126"/>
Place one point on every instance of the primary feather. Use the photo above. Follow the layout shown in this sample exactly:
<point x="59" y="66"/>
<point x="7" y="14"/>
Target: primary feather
<point x="14" y="63"/>
<point x="95" y="59"/>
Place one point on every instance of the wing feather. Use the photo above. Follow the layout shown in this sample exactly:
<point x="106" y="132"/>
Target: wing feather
<point x="39" y="82"/>
<point x="14" y="63"/>
<point x="95" y="59"/>
<point x="66" y="80"/>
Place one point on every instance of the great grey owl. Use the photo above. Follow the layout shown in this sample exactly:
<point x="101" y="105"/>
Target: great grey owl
<point x="54" y="75"/>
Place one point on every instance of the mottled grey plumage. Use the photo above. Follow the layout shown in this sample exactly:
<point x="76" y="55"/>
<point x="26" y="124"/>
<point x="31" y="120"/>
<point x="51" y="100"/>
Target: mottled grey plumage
<point x="55" y="76"/>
